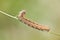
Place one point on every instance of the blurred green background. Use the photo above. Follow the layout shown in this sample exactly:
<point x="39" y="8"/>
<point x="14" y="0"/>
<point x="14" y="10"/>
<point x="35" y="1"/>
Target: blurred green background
<point x="45" y="12"/>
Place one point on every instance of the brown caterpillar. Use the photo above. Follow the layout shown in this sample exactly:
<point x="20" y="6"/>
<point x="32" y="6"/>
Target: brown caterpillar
<point x="30" y="23"/>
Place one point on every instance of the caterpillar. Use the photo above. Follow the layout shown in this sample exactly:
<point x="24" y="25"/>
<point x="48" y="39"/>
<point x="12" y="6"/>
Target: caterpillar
<point x="28" y="22"/>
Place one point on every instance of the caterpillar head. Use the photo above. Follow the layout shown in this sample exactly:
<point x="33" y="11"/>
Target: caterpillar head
<point x="22" y="13"/>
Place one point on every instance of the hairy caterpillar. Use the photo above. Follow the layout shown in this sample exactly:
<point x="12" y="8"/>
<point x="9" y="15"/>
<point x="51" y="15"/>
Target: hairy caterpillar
<point x="30" y="23"/>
